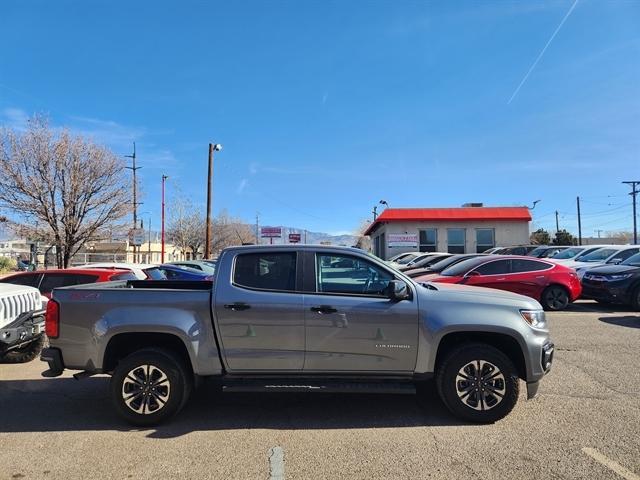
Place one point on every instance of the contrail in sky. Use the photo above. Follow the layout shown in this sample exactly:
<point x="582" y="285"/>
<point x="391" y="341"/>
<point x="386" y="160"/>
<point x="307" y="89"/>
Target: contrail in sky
<point x="524" y="79"/>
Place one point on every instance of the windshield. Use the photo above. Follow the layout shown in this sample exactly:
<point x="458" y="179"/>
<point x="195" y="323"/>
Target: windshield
<point x="537" y="251"/>
<point x="407" y="259"/>
<point x="462" y="267"/>
<point x="155" y="274"/>
<point x="568" y="253"/>
<point x="599" y="255"/>
<point x="633" y="260"/>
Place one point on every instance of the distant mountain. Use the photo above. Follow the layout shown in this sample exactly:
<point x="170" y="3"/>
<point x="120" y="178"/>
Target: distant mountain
<point x="313" y="237"/>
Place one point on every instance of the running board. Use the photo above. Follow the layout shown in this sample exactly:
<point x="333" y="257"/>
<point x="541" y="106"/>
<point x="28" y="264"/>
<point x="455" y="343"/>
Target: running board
<point x="319" y="387"/>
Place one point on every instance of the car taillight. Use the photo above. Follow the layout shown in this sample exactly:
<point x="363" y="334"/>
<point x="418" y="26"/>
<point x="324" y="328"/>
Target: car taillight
<point x="52" y="319"/>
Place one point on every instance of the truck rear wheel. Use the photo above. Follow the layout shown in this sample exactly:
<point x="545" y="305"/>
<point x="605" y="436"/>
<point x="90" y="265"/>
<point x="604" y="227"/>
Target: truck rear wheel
<point x="478" y="383"/>
<point x="150" y="386"/>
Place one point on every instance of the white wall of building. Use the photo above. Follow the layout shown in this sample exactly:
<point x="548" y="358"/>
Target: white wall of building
<point x="506" y="233"/>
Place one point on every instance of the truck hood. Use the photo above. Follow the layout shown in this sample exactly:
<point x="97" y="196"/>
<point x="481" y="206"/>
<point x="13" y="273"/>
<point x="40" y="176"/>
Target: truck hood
<point x="481" y="295"/>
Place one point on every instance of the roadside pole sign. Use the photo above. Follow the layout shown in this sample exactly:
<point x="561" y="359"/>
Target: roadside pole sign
<point x="295" y="238"/>
<point x="271" y="232"/>
<point x="136" y="236"/>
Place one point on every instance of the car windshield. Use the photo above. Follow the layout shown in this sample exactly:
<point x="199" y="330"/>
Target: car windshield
<point x="407" y="259"/>
<point x="633" y="260"/>
<point x="599" y="255"/>
<point x="155" y="273"/>
<point x="462" y="267"/>
<point x="568" y="253"/>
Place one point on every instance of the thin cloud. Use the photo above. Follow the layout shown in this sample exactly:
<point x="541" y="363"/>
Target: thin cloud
<point x="533" y="65"/>
<point x="242" y="185"/>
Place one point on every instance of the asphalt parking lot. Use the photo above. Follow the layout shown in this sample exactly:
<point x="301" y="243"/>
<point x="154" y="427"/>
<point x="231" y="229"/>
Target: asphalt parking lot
<point x="584" y="424"/>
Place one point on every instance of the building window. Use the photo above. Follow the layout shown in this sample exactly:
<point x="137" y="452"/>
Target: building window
<point x="485" y="239"/>
<point x="429" y="240"/>
<point x="455" y="240"/>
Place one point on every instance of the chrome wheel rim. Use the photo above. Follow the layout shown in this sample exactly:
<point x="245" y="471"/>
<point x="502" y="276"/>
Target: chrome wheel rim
<point x="146" y="389"/>
<point x="557" y="298"/>
<point x="480" y="385"/>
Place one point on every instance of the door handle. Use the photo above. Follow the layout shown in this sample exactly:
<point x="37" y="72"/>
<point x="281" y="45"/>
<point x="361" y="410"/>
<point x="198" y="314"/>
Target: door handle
<point x="324" y="309"/>
<point x="238" y="306"/>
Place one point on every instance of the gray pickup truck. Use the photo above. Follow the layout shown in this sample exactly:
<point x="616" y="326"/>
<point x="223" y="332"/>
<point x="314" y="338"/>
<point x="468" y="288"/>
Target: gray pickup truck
<point x="292" y="318"/>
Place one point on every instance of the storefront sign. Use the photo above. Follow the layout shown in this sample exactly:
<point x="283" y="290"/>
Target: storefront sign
<point x="402" y="240"/>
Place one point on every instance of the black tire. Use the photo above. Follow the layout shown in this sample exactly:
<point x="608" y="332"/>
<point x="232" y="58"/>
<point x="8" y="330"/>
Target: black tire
<point x="25" y="354"/>
<point x="466" y="399"/>
<point x="555" y="298"/>
<point x="161" y="387"/>
<point x="635" y="299"/>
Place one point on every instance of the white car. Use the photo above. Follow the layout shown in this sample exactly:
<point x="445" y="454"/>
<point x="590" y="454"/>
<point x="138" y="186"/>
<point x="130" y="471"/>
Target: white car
<point x="603" y="256"/>
<point x="142" y="271"/>
<point x="21" y="323"/>
<point x="575" y="253"/>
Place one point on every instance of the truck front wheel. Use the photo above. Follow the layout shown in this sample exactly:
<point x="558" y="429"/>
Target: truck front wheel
<point x="478" y="383"/>
<point x="150" y="386"/>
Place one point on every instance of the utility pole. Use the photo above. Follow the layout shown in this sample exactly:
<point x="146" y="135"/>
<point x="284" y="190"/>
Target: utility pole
<point x="164" y="179"/>
<point x="375" y="212"/>
<point x="634" y="191"/>
<point x="133" y="168"/>
<point x="257" y="228"/>
<point x="579" y="222"/>
<point x="149" y="249"/>
<point x="557" y="223"/>
<point x="598" y="232"/>
<point x="207" y="243"/>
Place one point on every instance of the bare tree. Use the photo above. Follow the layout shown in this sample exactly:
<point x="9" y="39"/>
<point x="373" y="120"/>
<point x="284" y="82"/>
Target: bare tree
<point x="228" y="231"/>
<point x="186" y="228"/>
<point x="363" y="242"/>
<point x="65" y="187"/>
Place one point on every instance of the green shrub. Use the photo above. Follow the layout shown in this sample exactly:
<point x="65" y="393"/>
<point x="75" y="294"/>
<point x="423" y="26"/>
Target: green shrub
<point x="7" y="264"/>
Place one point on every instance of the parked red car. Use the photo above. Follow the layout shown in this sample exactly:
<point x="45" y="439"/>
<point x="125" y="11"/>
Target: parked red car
<point x="553" y="285"/>
<point x="47" y="280"/>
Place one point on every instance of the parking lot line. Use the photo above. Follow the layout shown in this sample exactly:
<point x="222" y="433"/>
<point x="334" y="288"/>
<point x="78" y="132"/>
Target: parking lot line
<point x="607" y="462"/>
<point x="276" y="463"/>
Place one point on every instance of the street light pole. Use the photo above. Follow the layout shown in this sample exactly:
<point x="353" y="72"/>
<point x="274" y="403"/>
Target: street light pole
<point x="164" y="179"/>
<point x="207" y="243"/>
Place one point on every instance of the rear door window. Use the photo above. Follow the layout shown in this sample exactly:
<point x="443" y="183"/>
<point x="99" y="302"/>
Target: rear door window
<point x="57" y="280"/>
<point x="155" y="274"/>
<point x="498" y="267"/>
<point x="266" y="271"/>
<point x="27" y="279"/>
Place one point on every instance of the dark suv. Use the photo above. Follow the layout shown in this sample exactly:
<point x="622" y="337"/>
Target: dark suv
<point x="614" y="283"/>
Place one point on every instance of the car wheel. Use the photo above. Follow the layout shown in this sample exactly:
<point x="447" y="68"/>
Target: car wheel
<point x="478" y="383"/>
<point x="25" y="354"/>
<point x="150" y="386"/>
<point x="555" y="297"/>
<point x="635" y="299"/>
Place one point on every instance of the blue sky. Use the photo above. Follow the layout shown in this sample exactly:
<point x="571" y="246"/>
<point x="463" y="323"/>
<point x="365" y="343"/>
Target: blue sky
<point x="326" y="107"/>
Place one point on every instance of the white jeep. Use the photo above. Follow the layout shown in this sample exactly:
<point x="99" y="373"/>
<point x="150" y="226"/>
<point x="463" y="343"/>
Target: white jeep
<point x="21" y="323"/>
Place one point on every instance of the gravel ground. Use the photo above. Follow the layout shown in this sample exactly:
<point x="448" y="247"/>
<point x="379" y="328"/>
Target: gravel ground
<point x="584" y="424"/>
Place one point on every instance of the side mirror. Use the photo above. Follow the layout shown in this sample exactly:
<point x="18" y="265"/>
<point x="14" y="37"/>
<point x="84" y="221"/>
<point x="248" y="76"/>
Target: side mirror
<point x="615" y="261"/>
<point x="472" y="273"/>
<point x="397" y="290"/>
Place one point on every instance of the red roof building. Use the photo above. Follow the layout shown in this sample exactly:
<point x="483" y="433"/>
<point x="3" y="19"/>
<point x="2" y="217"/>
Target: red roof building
<point x="454" y="230"/>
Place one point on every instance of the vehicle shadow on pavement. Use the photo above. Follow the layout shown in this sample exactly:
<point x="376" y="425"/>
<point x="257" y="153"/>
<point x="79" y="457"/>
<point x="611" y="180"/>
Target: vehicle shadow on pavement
<point x="631" y="321"/>
<point x="65" y="404"/>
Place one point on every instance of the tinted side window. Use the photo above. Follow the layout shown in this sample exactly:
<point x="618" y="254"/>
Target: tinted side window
<point x="267" y="271"/>
<point x="624" y="255"/>
<point x="155" y="274"/>
<point x="350" y="275"/>
<point x="56" y="280"/>
<point x="29" y="280"/>
<point x="519" y="266"/>
<point x="499" y="267"/>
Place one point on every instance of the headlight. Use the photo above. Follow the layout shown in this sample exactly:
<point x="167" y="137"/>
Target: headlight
<point x="535" y="318"/>
<point x="620" y="276"/>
